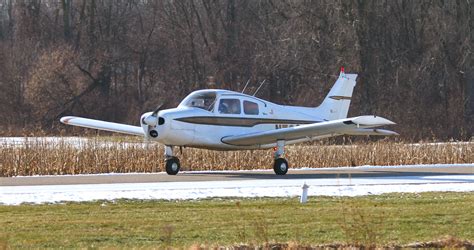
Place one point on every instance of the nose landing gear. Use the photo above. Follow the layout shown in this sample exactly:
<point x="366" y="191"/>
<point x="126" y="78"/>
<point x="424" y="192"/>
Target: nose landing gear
<point x="172" y="165"/>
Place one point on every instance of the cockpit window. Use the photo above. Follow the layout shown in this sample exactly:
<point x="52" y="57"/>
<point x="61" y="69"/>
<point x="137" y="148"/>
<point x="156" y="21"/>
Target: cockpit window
<point x="204" y="100"/>
<point x="229" y="106"/>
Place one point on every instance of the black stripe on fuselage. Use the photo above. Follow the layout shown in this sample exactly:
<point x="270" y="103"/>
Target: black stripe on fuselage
<point x="340" y="97"/>
<point x="238" y="121"/>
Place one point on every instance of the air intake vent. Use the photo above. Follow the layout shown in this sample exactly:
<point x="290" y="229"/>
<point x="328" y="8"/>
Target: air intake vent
<point x="161" y="121"/>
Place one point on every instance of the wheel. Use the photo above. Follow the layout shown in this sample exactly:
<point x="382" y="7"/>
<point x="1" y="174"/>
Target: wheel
<point x="172" y="166"/>
<point x="280" y="166"/>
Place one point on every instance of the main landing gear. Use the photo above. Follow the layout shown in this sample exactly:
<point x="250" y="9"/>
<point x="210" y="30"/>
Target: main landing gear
<point x="280" y="165"/>
<point x="172" y="165"/>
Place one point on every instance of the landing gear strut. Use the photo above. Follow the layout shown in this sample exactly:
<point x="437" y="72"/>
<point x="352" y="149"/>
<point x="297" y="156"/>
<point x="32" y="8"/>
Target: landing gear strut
<point x="280" y="165"/>
<point x="172" y="165"/>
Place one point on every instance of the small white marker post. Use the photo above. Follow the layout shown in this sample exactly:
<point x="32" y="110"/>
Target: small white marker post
<point x="304" y="194"/>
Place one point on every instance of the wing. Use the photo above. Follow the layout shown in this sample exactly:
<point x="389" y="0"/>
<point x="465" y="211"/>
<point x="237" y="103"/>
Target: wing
<point x="102" y="125"/>
<point x="361" y="125"/>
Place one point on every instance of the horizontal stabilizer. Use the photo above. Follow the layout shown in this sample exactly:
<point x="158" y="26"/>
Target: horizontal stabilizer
<point x="371" y="131"/>
<point x="102" y="125"/>
<point x="371" y="121"/>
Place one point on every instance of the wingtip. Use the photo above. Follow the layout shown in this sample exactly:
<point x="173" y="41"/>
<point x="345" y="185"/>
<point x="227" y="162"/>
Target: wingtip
<point x="66" y="119"/>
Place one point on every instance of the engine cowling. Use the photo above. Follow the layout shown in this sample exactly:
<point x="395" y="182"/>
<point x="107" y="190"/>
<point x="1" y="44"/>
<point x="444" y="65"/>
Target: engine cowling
<point x="148" y="123"/>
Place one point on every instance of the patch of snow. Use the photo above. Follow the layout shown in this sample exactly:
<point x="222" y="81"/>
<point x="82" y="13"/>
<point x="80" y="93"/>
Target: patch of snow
<point x="76" y="142"/>
<point x="98" y="141"/>
<point x="371" y="167"/>
<point x="14" y="195"/>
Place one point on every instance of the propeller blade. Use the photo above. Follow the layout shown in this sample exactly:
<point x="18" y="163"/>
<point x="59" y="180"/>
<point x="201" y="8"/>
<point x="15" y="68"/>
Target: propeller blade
<point x="157" y="109"/>
<point x="152" y="119"/>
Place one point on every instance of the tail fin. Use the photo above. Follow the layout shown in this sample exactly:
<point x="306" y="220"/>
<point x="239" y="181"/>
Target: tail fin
<point x="336" y="104"/>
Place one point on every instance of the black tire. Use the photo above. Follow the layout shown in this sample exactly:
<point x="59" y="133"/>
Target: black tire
<point x="280" y="166"/>
<point x="172" y="166"/>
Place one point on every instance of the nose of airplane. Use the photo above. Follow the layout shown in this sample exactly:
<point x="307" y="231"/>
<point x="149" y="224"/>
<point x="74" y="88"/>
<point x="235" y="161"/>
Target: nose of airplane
<point x="151" y="123"/>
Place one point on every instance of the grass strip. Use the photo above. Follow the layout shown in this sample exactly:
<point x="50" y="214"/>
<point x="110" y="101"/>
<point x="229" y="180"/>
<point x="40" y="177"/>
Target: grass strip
<point x="392" y="219"/>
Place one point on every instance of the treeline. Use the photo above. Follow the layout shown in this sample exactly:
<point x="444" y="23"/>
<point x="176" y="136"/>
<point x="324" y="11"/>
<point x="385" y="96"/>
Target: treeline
<point x="114" y="60"/>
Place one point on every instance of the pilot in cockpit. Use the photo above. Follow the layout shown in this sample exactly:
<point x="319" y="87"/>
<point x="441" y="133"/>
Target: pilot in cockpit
<point x="209" y="104"/>
<point x="229" y="106"/>
<point x="234" y="108"/>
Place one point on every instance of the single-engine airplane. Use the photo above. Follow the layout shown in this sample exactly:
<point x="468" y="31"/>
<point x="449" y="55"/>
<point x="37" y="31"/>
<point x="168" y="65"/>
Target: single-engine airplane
<point x="219" y="119"/>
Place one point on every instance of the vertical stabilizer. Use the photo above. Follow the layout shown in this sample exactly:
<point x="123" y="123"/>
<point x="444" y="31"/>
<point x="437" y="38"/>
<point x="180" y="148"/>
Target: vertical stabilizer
<point x="336" y="104"/>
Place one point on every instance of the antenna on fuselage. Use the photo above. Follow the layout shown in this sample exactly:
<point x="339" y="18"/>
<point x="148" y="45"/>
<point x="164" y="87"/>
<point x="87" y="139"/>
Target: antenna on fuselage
<point x="261" y="84"/>
<point x="243" y="90"/>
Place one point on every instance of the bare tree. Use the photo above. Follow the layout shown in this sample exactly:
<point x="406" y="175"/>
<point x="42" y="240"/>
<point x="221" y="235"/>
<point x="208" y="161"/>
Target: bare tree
<point x="414" y="58"/>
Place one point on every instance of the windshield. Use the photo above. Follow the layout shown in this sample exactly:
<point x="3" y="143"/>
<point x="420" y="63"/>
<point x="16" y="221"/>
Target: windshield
<point x="203" y="100"/>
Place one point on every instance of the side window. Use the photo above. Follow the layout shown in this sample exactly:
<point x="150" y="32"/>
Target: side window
<point x="229" y="106"/>
<point x="250" y="108"/>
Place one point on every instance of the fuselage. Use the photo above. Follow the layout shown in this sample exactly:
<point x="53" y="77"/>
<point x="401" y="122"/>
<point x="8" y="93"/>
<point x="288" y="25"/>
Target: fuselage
<point x="204" y="117"/>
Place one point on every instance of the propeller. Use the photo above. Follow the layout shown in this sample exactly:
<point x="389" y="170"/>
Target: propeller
<point x="152" y="119"/>
<point x="158" y="108"/>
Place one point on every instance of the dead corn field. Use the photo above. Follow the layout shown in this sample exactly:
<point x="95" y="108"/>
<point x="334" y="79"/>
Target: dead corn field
<point x="43" y="156"/>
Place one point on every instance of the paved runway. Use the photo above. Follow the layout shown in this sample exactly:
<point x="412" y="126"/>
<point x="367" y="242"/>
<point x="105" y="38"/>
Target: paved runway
<point x="367" y="180"/>
<point x="198" y="176"/>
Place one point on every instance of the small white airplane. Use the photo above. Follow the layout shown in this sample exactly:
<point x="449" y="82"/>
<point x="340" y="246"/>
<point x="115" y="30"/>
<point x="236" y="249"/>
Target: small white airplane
<point x="219" y="119"/>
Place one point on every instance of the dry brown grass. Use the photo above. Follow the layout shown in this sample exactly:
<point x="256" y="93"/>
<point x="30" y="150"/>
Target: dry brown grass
<point x="96" y="155"/>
